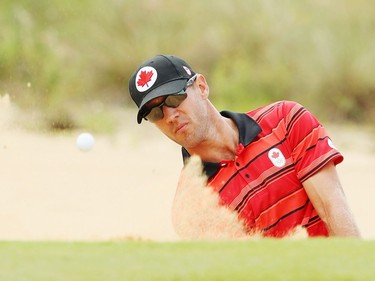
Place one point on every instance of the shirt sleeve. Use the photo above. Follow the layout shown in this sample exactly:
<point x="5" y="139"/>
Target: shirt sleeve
<point x="311" y="147"/>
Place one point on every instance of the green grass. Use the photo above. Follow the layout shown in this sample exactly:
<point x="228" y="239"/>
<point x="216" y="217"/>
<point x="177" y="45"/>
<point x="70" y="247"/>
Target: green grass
<point x="315" y="259"/>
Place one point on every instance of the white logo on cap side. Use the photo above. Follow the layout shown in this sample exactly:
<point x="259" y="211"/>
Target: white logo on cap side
<point x="145" y="78"/>
<point x="187" y="69"/>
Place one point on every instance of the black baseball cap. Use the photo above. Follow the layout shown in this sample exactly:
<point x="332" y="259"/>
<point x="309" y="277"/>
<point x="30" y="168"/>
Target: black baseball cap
<point x="161" y="75"/>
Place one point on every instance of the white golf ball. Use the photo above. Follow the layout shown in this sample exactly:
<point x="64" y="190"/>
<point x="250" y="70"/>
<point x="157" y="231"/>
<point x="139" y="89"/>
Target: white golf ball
<point x="85" y="141"/>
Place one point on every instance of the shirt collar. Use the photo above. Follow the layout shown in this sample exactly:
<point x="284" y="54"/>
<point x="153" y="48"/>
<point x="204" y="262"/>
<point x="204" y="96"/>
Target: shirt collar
<point x="248" y="129"/>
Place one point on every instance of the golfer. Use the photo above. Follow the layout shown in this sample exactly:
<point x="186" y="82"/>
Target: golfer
<point x="275" y="166"/>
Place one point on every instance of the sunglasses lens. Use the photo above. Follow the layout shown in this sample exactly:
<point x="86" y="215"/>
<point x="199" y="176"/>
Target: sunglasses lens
<point x="155" y="114"/>
<point x="175" y="101"/>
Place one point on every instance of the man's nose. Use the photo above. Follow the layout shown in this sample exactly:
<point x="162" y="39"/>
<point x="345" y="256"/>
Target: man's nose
<point x="170" y="113"/>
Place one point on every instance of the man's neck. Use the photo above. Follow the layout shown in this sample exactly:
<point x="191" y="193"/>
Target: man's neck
<point x="221" y="143"/>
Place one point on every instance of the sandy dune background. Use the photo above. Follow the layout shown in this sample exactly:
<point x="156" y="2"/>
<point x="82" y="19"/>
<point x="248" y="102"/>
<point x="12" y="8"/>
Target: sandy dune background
<point x="124" y="186"/>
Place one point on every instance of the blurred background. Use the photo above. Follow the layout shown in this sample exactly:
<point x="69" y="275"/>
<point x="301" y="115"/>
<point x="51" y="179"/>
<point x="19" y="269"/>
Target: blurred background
<point x="66" y="64"/>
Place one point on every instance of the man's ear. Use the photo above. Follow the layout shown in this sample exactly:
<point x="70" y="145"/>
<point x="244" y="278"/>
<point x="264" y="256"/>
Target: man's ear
<point x="201" y="83"/>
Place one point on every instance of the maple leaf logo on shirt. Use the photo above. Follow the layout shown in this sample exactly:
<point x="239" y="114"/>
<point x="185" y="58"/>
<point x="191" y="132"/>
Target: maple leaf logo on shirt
<point x="144" y="78"/>
<point x="277" y="158"/>
<point x="275" y="154"/>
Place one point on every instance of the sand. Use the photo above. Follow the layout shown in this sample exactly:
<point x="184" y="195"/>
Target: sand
<point x="123" y="188"/>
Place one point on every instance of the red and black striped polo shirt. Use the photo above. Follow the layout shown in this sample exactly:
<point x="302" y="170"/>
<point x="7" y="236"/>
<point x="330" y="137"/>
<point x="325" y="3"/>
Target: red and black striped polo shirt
<point x="280" y="146"/>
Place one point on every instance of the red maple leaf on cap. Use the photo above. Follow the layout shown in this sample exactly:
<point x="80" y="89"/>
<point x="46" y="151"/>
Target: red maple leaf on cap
<point x="144" y="78"/>
<point x="275" y="154"/>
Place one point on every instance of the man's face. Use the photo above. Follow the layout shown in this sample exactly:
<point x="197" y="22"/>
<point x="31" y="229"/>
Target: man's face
<point x="185" y="124"/>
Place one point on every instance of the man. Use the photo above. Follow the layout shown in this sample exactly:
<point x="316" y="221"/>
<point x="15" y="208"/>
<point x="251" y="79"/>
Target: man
<point x="274" y="166"/>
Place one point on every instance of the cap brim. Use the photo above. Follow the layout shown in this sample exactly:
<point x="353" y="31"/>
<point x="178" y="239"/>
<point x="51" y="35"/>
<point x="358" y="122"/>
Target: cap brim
<point x="171" y="88"/>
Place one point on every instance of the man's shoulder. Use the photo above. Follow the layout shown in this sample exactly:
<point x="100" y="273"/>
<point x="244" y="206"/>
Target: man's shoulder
<point x="279" y="108"/>
<point x="283" y="104"/>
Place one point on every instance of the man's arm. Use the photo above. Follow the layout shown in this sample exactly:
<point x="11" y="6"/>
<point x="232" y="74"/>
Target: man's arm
<point x="327" y="196"/>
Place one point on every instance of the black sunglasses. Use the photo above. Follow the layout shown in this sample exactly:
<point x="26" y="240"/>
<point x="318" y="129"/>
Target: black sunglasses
<point x="155" y="113"/>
